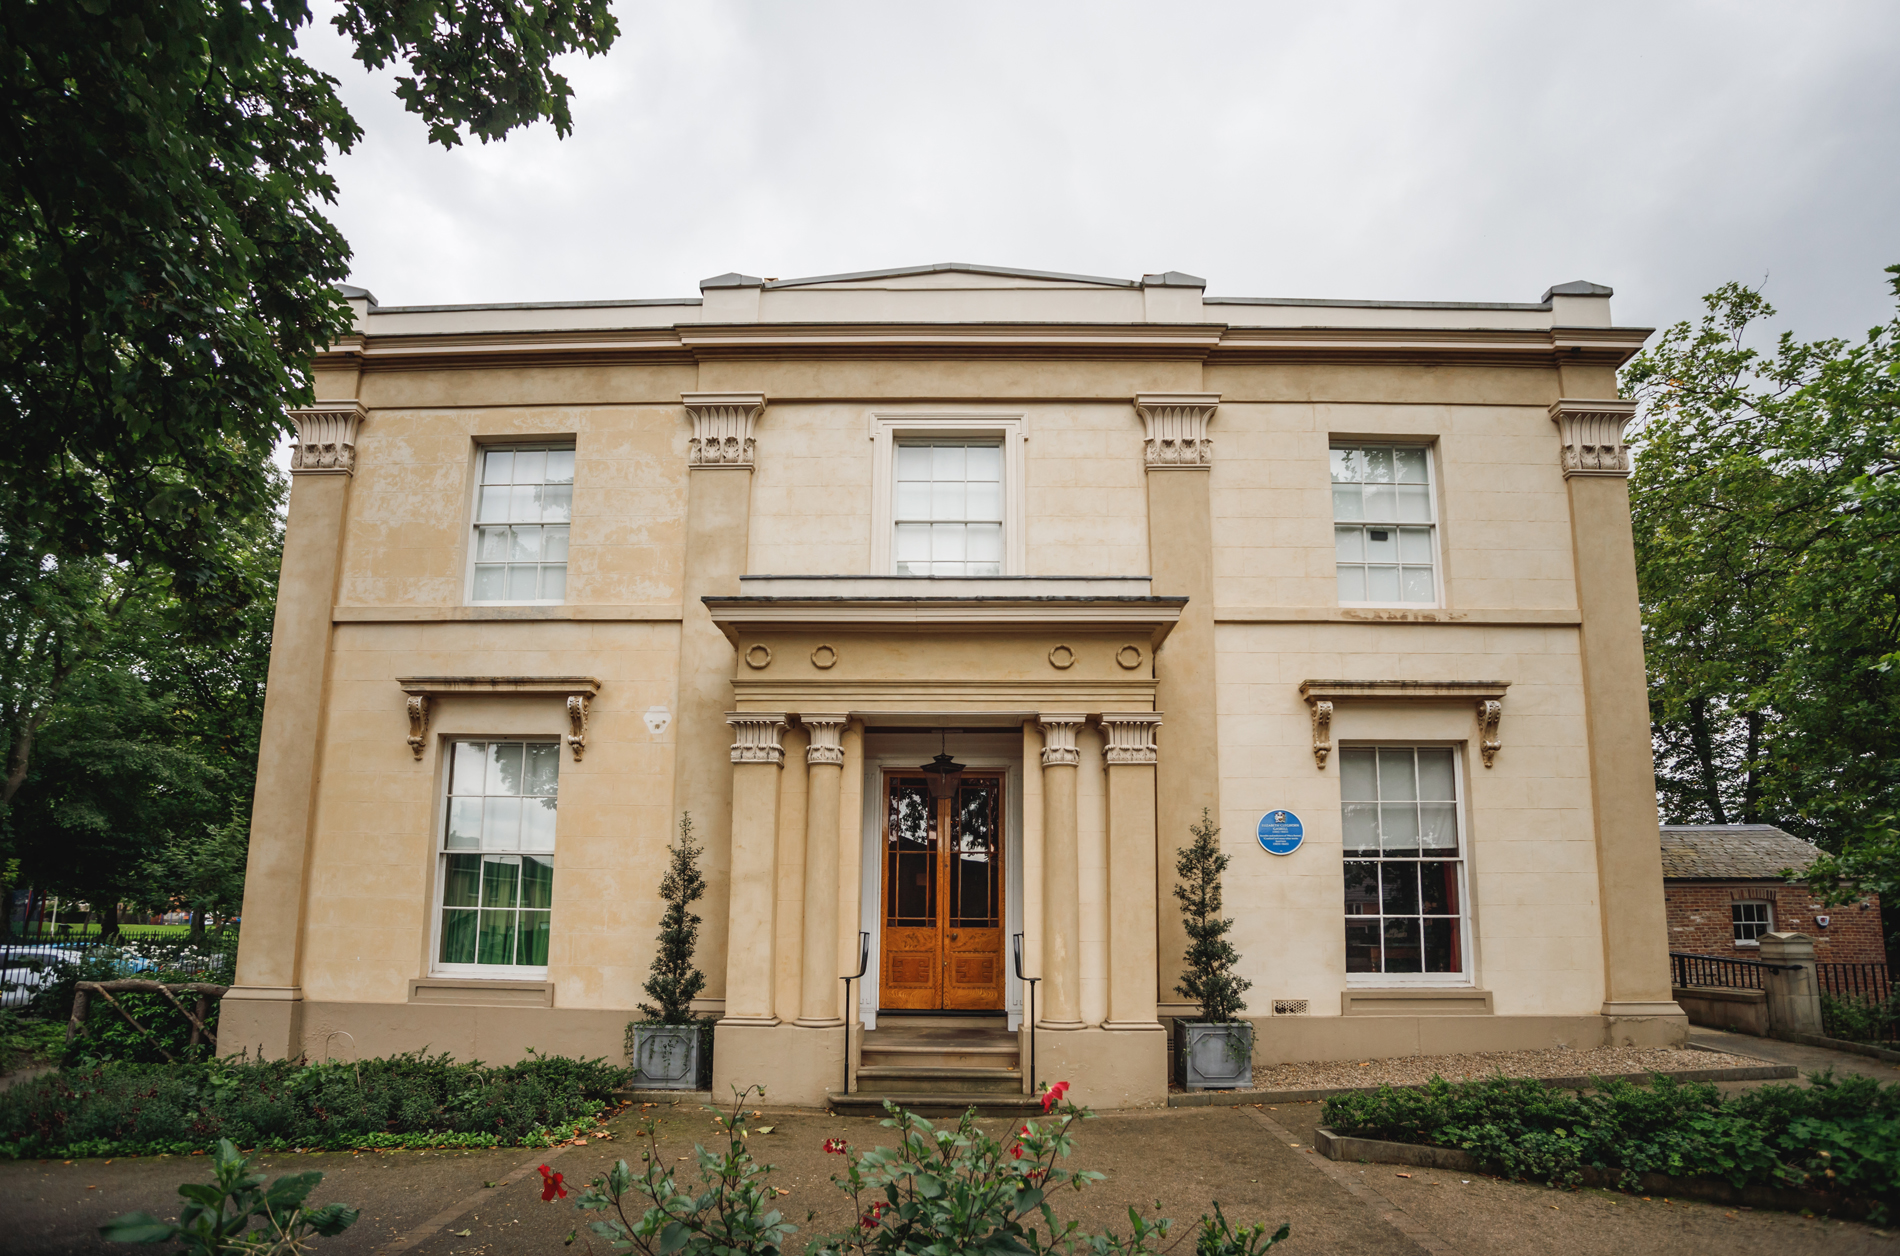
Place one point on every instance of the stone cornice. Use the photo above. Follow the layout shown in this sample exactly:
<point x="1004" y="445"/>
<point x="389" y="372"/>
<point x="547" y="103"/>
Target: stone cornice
<point x="1591" y="435"/>
<point x="326" y="438"/>
<point x="1488" y="695"/>
<point x="722" y="427"/>
<point x="1156" y="616"/>
<point x="1174" y="429"/>
<point x="422" y="691"/>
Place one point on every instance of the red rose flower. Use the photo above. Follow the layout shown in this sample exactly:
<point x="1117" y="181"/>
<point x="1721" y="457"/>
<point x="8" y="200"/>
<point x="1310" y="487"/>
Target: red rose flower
<point x="835" y="1146"/>
<point x="1054" y="1096"/>
<point x="551" y="1185"/>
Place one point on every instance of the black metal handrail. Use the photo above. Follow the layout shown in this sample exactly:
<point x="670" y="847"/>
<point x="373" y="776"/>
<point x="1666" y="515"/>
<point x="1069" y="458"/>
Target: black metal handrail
<point x="851" y="1013"/>
<point x="1720" y="971"/>
<point x="1856" y="981"/>
<point x="1031" y="983"/>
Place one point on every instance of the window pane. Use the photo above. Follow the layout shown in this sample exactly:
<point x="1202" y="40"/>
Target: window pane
<point x="1441" y="947"/>
<point x="1415" y="545"/>
<point x="1402" y="946"/>
<point x="537" y="882"/>
<point x="1349" y="545"/>
<point x="1409" y="465"/>
<point x="521" y="583"/>
<point x="554" y="545"/>
<point x="946" y="542"/>
<point x="985" y="462"/>
<point x="912" y="542"/>
<point x="553" y="583"/>
<point x="534" y="939"/>
<point x="462" y="882"/>
<point x="1356" y="779"/>
<point x="468" y="768"/>
<point x="498" y="466"/>
<point x="947" y="462"/>
<point x="1362" y="889"/>
<point x="912" y="500"/>
<point x="1382" y="545"/>
<point x="1378" y="466"/>
<point x="494" y="505"/>
<point x="490" y="583"/>
<point x="1396" y="780"/>
<point x="501" y="883"/>
<point x="913" y="462"/>
<point x="984" y="542"/>
<point x="557" y="503"/>
<point x="531" y="466"/>
<point x="1382" y="584"/>
<point x="1352" y="584"/>
<point x="1362" y="946"/>
<point x="560" y="466"/>
<point x="523" y="503"/>
<point x="1348" y="502"/>
<point x="465" y="824"/>
<point x="985" y="500"/>
<point x="1438" y="888"/>
<point x="1434" y="773"/>
<point x="1438" y="827"/>
<point x="458" y="937"/>
<point x="1398" y="827"/>
<point x="1360" y="820"/>
<point x="491" y="545"/>
<point x="1414" y="503"/>
<point x="501" y="823"/>
<point x="524" y="546"/>
<point x="496" y="944"/>
<point x="537" y="823"/>
<point x="1348" y="466"/>
<point x="946" y="500"/>
<point x="504" y="767"/>
<point x="544" y="767"/>
<point x="1416" y="585"/>
<point x="1382" y="502"/>
<point x="1398" y="888"/>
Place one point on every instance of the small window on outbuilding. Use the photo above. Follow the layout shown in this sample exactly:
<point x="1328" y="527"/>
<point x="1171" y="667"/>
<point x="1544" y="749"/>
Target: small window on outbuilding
<point x="1751" y="920"/>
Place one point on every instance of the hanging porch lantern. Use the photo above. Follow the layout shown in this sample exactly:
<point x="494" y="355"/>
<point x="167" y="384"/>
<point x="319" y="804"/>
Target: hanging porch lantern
<point x="942" y="772"/>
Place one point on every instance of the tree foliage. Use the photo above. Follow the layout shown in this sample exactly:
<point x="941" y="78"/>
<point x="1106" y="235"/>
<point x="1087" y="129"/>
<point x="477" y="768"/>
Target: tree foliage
<point x="674" y="981"/>
<point x="1766" y="506"/>
<point x="1210" y="978"/>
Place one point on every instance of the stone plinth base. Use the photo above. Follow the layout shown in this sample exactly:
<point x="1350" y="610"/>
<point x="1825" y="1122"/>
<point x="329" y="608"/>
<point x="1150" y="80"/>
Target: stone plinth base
<point x="1105" y="1068"/>
<point x="798" y="1066"/>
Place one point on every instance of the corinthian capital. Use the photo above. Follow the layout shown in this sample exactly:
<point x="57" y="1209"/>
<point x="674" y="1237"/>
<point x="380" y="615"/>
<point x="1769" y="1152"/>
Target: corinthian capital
<point x="1174" y="425"/>
<point x="722" y="427"/>
<point x="1591" y="433"/>
<point x="326" y="438"/>
<point x="758" y="738"/>
<point x="1058" y="740"/>
<point x="1131" y="737"/>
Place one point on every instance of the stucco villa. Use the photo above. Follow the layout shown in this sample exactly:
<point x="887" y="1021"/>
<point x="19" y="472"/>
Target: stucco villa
<point x="557" y="574"/>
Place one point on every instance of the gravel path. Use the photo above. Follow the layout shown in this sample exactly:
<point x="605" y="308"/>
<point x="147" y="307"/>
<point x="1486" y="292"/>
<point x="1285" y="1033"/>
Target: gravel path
<point x="1411" y="1070"/>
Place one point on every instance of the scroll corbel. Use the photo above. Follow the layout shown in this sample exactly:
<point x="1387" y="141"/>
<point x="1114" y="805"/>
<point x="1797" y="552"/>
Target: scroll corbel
<point x="418" y="723"/>
<point x="577" y="724"/>
<point x="1322" y="732"/>
<point x="1490" y="712"/>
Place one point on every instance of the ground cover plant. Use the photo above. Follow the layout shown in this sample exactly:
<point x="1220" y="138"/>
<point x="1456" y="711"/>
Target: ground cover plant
<point x="938" y="1191"/>
<point x="414" y="1100"/>
<point x="1868" y="1020"/>
<point x="1837" y="1135"/>
<point x="237" y="1213"/>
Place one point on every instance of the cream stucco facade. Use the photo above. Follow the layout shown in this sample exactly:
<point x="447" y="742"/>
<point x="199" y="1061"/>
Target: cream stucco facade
<point x="1156" y="628"/>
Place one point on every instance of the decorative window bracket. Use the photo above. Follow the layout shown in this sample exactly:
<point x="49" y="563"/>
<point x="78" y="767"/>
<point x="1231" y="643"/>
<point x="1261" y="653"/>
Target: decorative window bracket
<point x="1320" y="695"/>
<point x="578" y="691"/>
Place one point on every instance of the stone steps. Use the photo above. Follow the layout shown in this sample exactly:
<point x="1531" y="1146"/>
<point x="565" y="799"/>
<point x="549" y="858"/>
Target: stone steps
<point x="895" y="1079"/>
<point x="986" y="1103"/>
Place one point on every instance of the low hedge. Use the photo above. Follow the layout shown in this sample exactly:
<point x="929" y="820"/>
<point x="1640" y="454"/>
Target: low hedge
<point x="122" y="1109"/>
<point x="1838" y="1135"/>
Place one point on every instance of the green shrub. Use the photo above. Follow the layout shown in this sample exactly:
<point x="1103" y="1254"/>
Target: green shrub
<point x="1838" y="1134"/>
<point x="26" y="1041"/>
<point x="232" y="1215"/>
<point x="1861" y="1019"/>
<point x="409" y="1100"/>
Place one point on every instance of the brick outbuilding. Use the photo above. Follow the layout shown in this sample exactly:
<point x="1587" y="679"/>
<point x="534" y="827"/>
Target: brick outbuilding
<point x="1722" y="888"/>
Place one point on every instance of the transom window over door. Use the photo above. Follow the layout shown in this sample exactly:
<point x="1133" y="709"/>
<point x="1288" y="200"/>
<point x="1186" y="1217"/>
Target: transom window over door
<point x="497" y="870"/>
<point x="1384" y="517"/>
<point x="522" y="512"/>
<point x="947" y="509"/>
<point x="1405" y="876"/>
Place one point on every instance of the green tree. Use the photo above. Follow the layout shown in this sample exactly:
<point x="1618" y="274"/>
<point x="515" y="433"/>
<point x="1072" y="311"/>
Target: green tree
<point x="1209" y="978"/>
<point x="1766" y="507"/>
<point x="674" y="981"/>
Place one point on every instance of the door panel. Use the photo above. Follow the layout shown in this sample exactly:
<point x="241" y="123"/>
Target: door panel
<point x="943" y="896"/>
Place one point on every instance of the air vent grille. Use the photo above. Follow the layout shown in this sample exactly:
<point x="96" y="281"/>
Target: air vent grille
<point x="1289" y="1007"/>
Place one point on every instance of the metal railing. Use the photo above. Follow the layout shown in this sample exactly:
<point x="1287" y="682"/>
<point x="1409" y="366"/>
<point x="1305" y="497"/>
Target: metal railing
<point x="1860" y="1003"/>
<point x="1872" y="982"/>
<point x="1030" y="984"/>
<point x="1719" y="971"/>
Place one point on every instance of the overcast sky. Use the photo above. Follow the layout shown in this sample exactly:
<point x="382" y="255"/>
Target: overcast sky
<point x="1369" y="150"/>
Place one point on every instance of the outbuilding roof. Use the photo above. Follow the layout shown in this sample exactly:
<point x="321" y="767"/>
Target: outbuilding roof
<point x="1731" y="852"/>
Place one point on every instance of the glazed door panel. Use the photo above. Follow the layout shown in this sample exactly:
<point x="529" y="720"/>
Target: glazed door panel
<point x="943" y="896"/>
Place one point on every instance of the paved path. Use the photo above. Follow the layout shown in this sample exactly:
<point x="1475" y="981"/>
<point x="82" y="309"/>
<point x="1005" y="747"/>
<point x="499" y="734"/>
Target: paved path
<point x="1807" y="1059"/>
<point x="1174" y="1162"/>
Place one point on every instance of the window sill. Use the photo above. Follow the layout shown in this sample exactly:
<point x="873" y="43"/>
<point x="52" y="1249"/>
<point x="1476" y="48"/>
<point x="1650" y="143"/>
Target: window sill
<point x="498" y="991"/>
<point x="1419" y="1000"/>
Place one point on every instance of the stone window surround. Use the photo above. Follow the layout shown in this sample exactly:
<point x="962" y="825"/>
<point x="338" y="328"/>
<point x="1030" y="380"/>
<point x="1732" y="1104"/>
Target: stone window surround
<point x="478" y="447"/>
<point x="472" y="979"/>
<point x="889" y="428"/>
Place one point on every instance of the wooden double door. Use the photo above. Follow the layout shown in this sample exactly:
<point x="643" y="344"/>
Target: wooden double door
<point x="942" y="904"/>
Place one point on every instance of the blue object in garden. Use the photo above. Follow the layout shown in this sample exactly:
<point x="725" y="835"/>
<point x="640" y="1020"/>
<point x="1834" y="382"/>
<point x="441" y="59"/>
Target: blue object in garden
<point x="1281" y="833"/>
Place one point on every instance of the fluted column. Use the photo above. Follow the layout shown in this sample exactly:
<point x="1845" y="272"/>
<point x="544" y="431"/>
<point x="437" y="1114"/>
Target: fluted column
<point x="757" y="758"/>
<point x="824" y="765"/>
<point x="1131" y="756"/>
<point x="263" y="1010"/>
<point x="1061" y="876"/>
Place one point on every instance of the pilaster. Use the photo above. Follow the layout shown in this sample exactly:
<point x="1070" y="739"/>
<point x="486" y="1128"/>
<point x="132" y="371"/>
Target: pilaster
<point x="1062" y="876"/>
<point x="824" y="760"/>
<point x="1131" y="758"/>
<point x="1179" y="458"/>
<point x="756" y="757"/>
<point x="718" y="524"/>
<point x="1616" y="705"/>
<point x="263" y="1008"/>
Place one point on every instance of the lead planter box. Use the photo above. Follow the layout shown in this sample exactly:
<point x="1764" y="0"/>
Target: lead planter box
<point x="666" y="1057"/>
<point x="1215" y="1056"/>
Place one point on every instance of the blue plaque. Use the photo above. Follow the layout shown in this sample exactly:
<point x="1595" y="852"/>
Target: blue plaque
<point x="1281" y="833"/>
